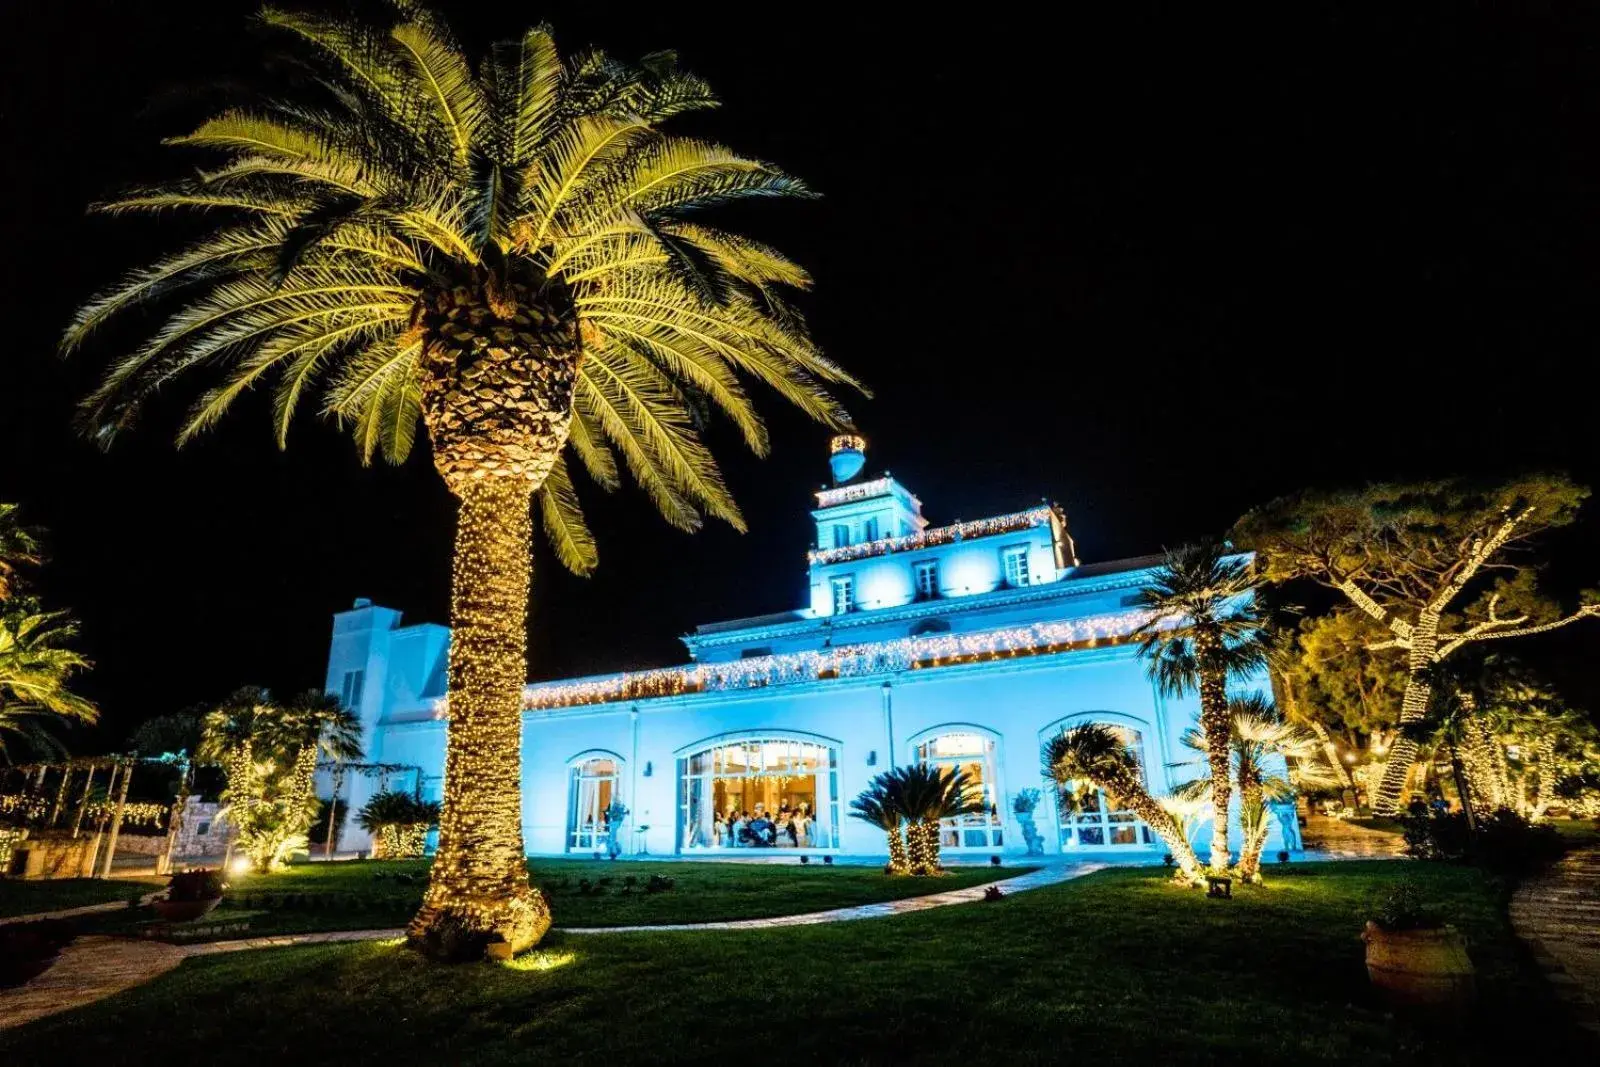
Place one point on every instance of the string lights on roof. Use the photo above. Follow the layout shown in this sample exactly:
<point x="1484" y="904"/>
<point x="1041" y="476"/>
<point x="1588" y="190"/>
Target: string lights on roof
<point x="849" y="661"/>
<point x="942" y="535"/>
<point x="849" y="494"/>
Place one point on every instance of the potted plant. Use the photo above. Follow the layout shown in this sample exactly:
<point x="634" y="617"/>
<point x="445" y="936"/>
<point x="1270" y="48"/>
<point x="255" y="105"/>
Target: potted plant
<point x="1022" y="804"/>
<point x="190" y="895"/>
<point x="1413" y="958"/>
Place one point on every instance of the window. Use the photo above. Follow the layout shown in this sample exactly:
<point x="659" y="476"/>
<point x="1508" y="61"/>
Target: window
<point x="973" y="753"/>
<point x="350" y="689"/>
<point x="844" y="595"/>
<point x="841" y="536"/>
<point x="755" y="651"/>
<point x="869" y="529"/>
<point x="594" y="789"/>
<point x="1015" y="565"/>
<point x="927" y="575"/>
<point x="1088" y="820"/>
<point x="759" y="793"/>
<point x="203" y="829"/>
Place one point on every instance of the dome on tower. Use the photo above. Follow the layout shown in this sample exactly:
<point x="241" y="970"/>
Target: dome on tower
<point x="848" y="454"/>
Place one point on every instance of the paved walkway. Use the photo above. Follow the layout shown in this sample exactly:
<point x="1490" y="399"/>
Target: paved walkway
<point x="1558" y="915"/>
<point x="92" y="968"/>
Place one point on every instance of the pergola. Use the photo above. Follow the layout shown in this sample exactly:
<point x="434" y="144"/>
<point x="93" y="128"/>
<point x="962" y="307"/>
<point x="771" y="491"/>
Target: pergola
<point x="30" y="799"/>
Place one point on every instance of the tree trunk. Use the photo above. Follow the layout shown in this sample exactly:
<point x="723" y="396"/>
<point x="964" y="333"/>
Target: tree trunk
<point x="1253" y="824"/>
<point x="1413" y="706"/>
<point x="1215" y="725"/>
<point x="499" y="372"/>
<point x="478" y="889"/>
<point x="1161" y="822"/>
<point x="898" y="861"/>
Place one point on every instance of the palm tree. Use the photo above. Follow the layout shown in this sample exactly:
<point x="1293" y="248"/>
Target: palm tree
<point x="35" y="670"/>
<point x="876" y="806"/>
<point x="397" y="823"/>
<point x="1204" y="627"/>
<point x="17" y="546"/>
<point x="314" y="724"/>
<point x="1257" y="732"/>
<point x="269" y="751"/>
<point x="926" y="794"/>
<point x="1095" y="755"/>
<point x="514" y="254"/>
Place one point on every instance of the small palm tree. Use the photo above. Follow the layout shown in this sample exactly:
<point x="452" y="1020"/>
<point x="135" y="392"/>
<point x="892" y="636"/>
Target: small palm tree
<point x="269" y="752"/>
<point x="1204" y="628"/>
<point x="397" y="822"/>
<point x="1095" y="755"/>
<point x="876" y="807"/>
<point x="926" y="795"/>
<point x="35" y="670"/>
<point x="1257" y="732"/>
<point x="516" y="255"/>
<point x="17" y="546"/>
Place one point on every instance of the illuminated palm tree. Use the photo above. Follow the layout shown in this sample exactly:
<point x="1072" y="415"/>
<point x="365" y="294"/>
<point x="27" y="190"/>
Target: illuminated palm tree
<point x="876" y="807"/>
<point x="1094" y="755"/>
<point x="269" y="752"/>
<point x="925" y="794"/>
<point x="1204" y="629"/>
<point x="35" y="669"/>
<point x="1257" y="732"/>
<point x="515" y="255"/>
<point x="17" y="546"/>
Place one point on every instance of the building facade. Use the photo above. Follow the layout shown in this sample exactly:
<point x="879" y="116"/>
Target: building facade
<point x="962" y="645"/>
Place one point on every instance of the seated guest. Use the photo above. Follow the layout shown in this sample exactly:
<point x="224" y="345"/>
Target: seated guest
<point x="741" y="828"/>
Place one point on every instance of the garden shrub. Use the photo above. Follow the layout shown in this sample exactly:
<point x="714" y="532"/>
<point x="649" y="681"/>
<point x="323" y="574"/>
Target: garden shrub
<point x="203" y="883"/>
<point x="1504" y="843"/>
<point x="659" y="884"/>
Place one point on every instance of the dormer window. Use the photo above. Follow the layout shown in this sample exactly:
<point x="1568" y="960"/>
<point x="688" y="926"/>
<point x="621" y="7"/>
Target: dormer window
<point x="1014" y="565"/>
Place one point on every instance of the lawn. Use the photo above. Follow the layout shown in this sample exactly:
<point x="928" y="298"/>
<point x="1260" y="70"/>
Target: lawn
<point x="1118" y="967"/>
<point x="24" y="898"/>
<point x="374" y="895"/>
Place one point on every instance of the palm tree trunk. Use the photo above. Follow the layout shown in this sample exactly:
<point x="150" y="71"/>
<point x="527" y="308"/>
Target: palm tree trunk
<point x="1214" y="725"/>
<point x="478" y="889"/>
<point x="1159" y="820"/>
<point x="1253" y="824"/>
<point x="898" y="863"/>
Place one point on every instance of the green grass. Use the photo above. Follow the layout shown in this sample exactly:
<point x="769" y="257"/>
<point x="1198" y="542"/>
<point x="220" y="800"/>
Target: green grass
<point x="1119" y="967"/>
<point x="377" y="894"/>
<point x="25" y="898"/>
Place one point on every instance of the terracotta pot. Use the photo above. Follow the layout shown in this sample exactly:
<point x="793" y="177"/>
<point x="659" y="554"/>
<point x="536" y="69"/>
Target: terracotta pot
<point x="182" y="911"/>
<point x="1422" y="968"/>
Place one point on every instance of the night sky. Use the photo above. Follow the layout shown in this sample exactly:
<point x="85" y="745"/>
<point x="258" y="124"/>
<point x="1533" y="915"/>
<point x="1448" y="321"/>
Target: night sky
<point x="1155" y="269"/>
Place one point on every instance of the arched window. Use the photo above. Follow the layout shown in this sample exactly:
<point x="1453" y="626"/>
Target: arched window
<point x="972" y="752"/>
<point x="1088" y="821"/>
<point x="595" y="785"/>
<point x="759" y="792"/>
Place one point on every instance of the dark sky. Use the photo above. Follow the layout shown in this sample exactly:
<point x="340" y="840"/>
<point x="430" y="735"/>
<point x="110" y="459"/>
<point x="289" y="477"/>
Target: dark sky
<point x="1155" y="268"/>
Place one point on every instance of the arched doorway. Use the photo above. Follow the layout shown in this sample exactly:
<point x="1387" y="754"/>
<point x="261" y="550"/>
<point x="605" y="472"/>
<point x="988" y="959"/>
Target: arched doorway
<point x="759" y="792"/>
<point x="1086" y="819"/>
<point x="596" y="782"/>
<point x="971" y="750"/>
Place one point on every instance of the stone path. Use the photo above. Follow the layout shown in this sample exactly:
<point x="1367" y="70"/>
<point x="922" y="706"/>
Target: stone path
<point x="1044" y="876"/>
<point x="95" y="967"/>
<point x="1558" y="915"/>
<point x="90" y="969"/>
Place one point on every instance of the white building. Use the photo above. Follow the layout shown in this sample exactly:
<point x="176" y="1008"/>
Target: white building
<point x="968" y="644"/>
